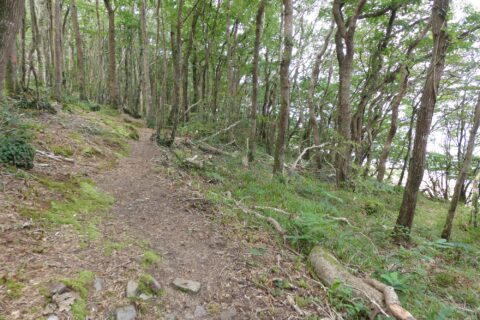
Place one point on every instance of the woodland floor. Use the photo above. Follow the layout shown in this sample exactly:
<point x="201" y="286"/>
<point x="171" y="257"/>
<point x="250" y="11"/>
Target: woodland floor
<point x="159" y="211"/>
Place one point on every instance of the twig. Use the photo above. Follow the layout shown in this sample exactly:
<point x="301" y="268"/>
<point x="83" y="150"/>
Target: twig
<point x="53" y="156"/>
<point x="291" y="215"/>
<point x="221" y="131"/>
<point x="193" y="105"/>
<point x="295" y="163"/>
<point x="342" y="219"/>
<point x="272" y="221"/>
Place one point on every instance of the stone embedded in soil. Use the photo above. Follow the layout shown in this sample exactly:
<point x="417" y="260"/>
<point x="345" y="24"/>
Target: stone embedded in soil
<point x="170" y="316"/>
<point x="132" y="289"/>
<point x="187" y="285"/>
<point x="53" y="317"/>
<point x="99" y="284"/>
<point x="228" y="314"/>
<point x="145" y="297"/>
<point x="126" y="313"/>
<point x="58" y="288"/>
<point x="200" y="312"/>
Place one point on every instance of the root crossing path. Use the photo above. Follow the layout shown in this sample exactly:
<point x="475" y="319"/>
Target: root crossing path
<point x="193" y="244"/>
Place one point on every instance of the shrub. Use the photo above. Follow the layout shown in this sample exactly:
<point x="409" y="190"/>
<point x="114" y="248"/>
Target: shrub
<point x="16" y="151"/>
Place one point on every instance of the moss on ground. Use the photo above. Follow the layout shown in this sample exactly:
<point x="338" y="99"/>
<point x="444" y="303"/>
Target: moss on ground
<point x="82" y="202"/>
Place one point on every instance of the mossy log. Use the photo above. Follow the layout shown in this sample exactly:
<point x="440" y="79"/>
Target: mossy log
<point x="330" y="271"/>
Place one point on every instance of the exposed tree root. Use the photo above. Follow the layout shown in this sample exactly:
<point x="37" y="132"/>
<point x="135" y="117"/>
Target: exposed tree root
<point x="329" y="270"/>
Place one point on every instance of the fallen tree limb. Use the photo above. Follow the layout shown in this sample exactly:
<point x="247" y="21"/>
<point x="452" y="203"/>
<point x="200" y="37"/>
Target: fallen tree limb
<point x="290" y="215"/>
<point x="53" y="156"/>
<point x="270" y="220"/>
<point x="295" y="163"/>
<point x="208" y="148"/>
<point x="391" y="300"/>
<point x="221" y="131"/>
<point x="330" y="271"/>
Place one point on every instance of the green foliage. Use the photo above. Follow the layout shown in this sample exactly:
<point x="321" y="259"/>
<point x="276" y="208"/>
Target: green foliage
<point x="14" y="288"/>
<point x="15" y="137"/>
<point x="35" y="104"/>
<point x="149" y="259"/>
<point x="16" y="151"/>
<point x="340" y="297"/>
<point x="395" y="280"/>
<point x="81" y="283"/>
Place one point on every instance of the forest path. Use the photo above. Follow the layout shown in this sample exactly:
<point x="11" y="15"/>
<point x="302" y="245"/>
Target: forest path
<point x="193" y="246"/>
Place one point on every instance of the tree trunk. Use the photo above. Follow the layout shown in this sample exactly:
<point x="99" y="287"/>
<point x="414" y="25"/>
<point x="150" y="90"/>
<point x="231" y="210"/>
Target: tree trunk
<point x="11" y="11"/>
<point x="253" y="108"/>
<point x="57" y="50"/>
<point x="425" y="114"/>
<point x="344" y="42"/>
<point x="447" y="229"/>
<point x="177" y="48"/>
<point x="112" y="64"/>
<point x="311" y="92"/>
<point x="279" y="158"/>
<point x="78" y="44"/>
<point x="146" y="88"/>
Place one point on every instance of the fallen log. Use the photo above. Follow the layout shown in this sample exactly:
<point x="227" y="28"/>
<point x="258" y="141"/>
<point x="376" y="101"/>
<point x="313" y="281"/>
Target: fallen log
<point x="53" y="156"/>
<point x="330" y="270"/>
<point x="209" y="149"/>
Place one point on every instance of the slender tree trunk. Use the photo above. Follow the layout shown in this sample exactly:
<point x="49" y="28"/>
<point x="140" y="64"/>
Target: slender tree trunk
<point x="146" y="87"/>
<point x="447" y="229"/>
<point x="177" y="48"/>
<point x="311" y="92"/>
<point x="425" y="114"/>
<point x="112" y="64"/>
<point x="78" y="44"/>
<point x="57" y="50"/>
<point x="279" y="158"/>
<point x="253" y="108"/>
<point x="404" y="76"/>
<point x="344" y="41"/>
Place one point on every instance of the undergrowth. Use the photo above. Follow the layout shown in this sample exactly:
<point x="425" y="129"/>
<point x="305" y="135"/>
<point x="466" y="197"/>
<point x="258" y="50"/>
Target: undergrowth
<point x="434" y="279"/>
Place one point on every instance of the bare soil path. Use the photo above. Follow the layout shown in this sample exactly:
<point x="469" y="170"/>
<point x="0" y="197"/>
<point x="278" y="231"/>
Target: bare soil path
<point x="193" y="245"/>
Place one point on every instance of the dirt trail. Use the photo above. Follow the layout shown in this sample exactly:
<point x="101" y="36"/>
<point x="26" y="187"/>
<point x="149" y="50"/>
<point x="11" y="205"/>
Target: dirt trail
<point x="193" y="246"/>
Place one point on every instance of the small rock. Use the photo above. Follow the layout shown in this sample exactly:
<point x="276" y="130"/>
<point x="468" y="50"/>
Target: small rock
<point x="187" y="285"/>
<point x="99" y="284"/>
<point x="132" y="289"/>
<point x="65" y="300"/>
<point x="189" y="316"/>
<point x="200" y="312"/>
<point x="58" y="288"/>
<point x="49" y="309"/>
<point x="228" y="314"/>
<point x="126" y="313"/>
<point x="53" y="317"/>
<point x="145" y="297"/>
<point x="155" y="286"/>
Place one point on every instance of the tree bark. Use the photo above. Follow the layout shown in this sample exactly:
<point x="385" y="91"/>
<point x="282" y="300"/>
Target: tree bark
<point x="279" y="158"/>
<point x="57" y="50"/>
<point x="112" y="64"/>
<point x="11" y="11"/>
<point x="429" y="97"/>
<point x="177" y="48"/>
<point x="256" y="54"/>
<point x="447" y="229"/>
<point x="80" y="57"/>
<point x="344" y="42"/>
<point x="146" y="87"/>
